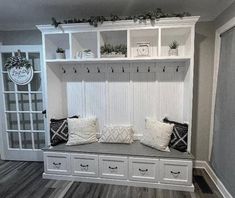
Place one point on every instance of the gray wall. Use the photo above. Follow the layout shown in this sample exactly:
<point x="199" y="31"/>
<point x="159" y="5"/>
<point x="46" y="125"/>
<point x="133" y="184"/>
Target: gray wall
<point x="24" y="37"/>
<point x="203" y="75"/>
<point x="225" y="16"/>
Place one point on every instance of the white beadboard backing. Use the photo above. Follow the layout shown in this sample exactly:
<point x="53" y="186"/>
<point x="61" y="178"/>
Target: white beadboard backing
<point x="126" y="93"/>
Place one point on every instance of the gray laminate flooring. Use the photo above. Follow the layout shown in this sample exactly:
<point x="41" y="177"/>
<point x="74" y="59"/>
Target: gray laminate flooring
<point x="24" y="180"/>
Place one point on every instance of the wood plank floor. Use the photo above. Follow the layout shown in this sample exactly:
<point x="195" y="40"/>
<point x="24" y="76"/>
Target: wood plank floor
<point x="24" y="180"/>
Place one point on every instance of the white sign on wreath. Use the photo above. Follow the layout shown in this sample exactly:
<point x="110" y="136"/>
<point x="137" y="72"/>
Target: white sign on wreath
<point x="20" y="71"/>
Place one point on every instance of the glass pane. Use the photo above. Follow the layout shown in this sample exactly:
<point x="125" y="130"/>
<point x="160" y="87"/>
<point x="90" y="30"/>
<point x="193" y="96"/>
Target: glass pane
<point x="26" y="140"/>
<point x="4" y="58"/>
<point x="22" y="87"/>
<point x="38" y="121"/>
<point x="36" y="83"/>
<point x="37" y="104"/>
<point x="12" y="121"/>
<point x="25" y="121"/>
<point x="34" y="59"/>
<point x="23" y="101"/>
<point x="13" y="139"/>
<point x="39" y="140"/>
<point x="10" y="102"/>
<point x="8" y="84"/>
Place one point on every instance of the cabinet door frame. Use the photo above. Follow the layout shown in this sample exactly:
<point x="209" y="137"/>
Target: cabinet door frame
<point x="31" y="154"/>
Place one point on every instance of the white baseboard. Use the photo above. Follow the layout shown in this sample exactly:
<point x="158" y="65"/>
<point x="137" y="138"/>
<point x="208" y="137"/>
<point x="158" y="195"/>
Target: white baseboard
<point x="213" y="176"/>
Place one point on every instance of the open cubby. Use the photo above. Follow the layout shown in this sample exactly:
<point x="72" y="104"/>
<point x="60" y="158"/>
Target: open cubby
<point x="141" y="38"/>
<point x="83" y="41"/>
<point x="113" y="38"/>
<point x="54" y="41"/>
<point x="182" y="35"/>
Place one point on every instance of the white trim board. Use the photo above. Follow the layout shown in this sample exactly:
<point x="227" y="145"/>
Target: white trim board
<point x="218" y="32"/>
<point x="204" y="165"/>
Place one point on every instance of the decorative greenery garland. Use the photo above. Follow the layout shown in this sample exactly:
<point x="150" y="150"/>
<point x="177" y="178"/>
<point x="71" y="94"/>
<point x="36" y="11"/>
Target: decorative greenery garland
<point x="17" y="61"/>
<point x="95" y="20"/>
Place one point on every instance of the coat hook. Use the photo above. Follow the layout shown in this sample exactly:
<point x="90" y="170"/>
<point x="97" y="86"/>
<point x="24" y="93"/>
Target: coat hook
<point x="112" y="69"/>
<point x="148" y="69"/>
<point x="177" y="69"/>
<point x="64" y="71"/>
<point x="164" y="69"/>
<point x="98" y="69"/>
<point x="137" y="69"/>
<point x="88" y="71"/>
<point x="123" y="69"/>
<point x="75" y="71"/>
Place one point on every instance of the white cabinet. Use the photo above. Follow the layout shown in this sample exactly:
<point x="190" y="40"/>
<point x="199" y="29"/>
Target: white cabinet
<point x="113" y="167"/>
<point x="143" y="169"/>
<point x="176" y="172"/>
<point x="84" y="165"/>
<point x="57" y="163"/>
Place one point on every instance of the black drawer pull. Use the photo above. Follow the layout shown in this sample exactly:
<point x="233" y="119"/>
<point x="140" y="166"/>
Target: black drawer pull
<point x="56" y="164"/>
<point x="84" y="166"/>
<point x="175" y="173"/>
<point x="143" y="170"/>
<point x="113" y="168"/>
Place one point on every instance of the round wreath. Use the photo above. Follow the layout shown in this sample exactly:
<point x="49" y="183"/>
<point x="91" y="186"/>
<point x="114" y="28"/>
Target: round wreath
<point x="17" y="62"/>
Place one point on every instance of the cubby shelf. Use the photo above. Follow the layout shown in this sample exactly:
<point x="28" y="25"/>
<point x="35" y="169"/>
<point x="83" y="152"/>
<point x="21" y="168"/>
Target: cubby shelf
<point x="149" y="43"/>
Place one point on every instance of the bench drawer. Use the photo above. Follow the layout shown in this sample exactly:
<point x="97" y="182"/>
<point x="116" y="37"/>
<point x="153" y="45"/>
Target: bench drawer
<point x="143" y="169"/>
<point x="57" y="163"/>
<point x="176" y="172"/>
<point x="113" y="167"/>
<point x="84" y="165"/>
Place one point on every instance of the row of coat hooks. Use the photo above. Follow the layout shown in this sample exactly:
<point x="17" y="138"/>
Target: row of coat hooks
<point x="123" y="69"/>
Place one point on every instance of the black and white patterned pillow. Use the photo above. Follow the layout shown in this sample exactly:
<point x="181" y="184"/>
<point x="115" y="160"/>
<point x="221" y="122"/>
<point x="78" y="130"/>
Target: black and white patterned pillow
<point x="59" y="130"/>
<point x="179" y="137"/>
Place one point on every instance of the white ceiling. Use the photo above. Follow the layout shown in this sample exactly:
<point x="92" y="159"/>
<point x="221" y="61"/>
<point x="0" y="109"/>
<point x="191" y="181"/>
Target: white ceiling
<point x="25" y="14"/>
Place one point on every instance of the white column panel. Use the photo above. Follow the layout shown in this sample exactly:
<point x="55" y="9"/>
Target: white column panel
<point x="75" y="98"/>
<point x="144" y="99"/>
<point x="118" y="105"/>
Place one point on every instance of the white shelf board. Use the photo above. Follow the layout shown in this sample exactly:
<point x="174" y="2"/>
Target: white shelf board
<point x="113" y="60"/>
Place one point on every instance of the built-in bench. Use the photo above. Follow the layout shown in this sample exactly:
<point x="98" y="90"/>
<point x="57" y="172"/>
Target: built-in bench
<point x="123" y="164"/>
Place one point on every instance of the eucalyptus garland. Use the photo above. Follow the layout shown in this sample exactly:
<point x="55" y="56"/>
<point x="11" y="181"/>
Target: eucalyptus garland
<point x="17" y="61"/>
<point x="95" y="20"/>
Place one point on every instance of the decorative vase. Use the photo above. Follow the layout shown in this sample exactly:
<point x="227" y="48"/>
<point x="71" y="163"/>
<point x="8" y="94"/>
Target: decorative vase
<point x="60" y="55"/>
<point x="173" y="52"/>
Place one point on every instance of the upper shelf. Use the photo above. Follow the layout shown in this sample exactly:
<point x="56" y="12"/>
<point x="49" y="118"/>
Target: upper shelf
<point x="149" y="42"/>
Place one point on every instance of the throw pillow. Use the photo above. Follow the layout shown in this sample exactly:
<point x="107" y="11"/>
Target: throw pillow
<point x="82" y="131"/>
<point x="179" y="137"/>
<point x="117" y="134"/>
<point x="157" y="135"/>
<point x="59" y="131"/>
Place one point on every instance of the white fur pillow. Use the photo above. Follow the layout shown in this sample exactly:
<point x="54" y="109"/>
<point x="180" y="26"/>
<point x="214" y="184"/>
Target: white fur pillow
<point x="117" y="134"/>
<point x="82" y="131"/>
<point x="157" y="135"/>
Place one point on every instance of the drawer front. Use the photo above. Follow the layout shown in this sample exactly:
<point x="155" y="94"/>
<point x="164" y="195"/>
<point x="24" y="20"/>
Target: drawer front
<point x="57" y="163"/>
<point x="176" y="172"/>
<point x="143" y="169"/>
<point x="84" y="165"/>
<point x="113" y="167"/>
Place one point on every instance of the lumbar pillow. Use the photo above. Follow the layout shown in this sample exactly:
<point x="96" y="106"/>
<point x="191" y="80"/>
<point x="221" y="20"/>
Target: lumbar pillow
<point x="179" y="137"/>
<point x="157" y="135"/>
<point x="117" y="134"/>
<point x="59" y="130"/>
<point x="82" y="131"/>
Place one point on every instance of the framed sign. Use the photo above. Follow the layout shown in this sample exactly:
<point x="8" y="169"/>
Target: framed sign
<point x="19" y="69"/>
<point x="20" y="75"/>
